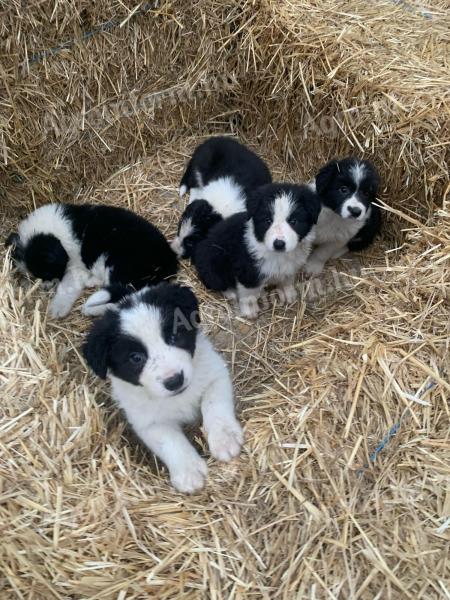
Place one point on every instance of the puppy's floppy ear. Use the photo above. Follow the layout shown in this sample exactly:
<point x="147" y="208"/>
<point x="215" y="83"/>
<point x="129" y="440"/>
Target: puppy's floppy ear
<point x="98" y="341"/>
<point x="312" y="204"/>
<point x="185" y="299"/>
<point x="325" y="175"/>
<point x="252" y="202"/>
<point x="13" y="240"/>
<point x="373" y="174"/>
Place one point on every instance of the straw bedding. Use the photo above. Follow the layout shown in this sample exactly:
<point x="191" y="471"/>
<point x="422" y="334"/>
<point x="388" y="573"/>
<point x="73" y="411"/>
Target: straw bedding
<point x="317" y="506"/>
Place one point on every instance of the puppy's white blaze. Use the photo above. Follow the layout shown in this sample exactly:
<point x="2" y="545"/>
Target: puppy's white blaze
<point x="199" y="178"/>
<point x="357" y="172"/>
<point x="182" y="190"/>
<point x="50" y="219"/>
<point x="143" y="323"/>
<point x="312" y="185"/>
<point x="185" y="230"/>
<point x="280" y="229"/>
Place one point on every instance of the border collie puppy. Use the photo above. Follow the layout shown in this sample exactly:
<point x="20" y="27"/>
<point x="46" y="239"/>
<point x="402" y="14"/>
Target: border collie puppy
<point x="218" y="178"/>
<point x="348" y="219"/>
<point x="87" y="245"/>
<point x="268" y="244"/>
<point x="164" y="374"/>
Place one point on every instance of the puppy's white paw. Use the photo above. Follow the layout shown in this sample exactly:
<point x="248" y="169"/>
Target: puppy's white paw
<point x="287" y="294"/>
<point x="249" y="308"/>
<point x="230" y="294"/>
<point x="225" y="440"/>
<point x="313" y="267"/>
<point x="59" y="307"/>
<point x="190" y="477"/>
<point x="97" y="303"/>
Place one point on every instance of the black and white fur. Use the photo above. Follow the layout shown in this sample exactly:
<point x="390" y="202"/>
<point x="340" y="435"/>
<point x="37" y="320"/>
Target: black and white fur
<point x="164" y="374"/>
<point x="348" y="220"/>
<point x="88" y="245"/>
<point x="219" y="177"/>
<point x="268" y="244"/>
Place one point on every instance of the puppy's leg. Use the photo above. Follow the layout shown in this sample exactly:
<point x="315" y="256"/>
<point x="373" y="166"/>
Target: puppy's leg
<point x="186" y="469"/>
<point x="287" y="291"/>
<point x="67" y="293"/>
<point x="319" y="256"/>
<point x="225" y="435"/>
<point x="248" y="300"/>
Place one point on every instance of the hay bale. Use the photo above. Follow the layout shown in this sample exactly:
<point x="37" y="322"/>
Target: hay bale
<point x="342" y="489"/>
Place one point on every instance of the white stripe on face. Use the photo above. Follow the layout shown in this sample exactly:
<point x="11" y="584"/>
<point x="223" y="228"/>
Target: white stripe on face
<point x="357" y="173"/>
<point x="350" y="208"/>
<point x="185" y="230"/>
<point x="280" y="231"/>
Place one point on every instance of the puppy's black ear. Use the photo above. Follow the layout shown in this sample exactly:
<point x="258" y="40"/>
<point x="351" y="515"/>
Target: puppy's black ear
<point x="312" y="204"/>
<point x="253" y="201"/>
<point x="373" y="175"/>
<point x="98" y="341"/>
<point x="325" y="176"/>
<point x="185" y="299"/>
<point x="13" y="240"/>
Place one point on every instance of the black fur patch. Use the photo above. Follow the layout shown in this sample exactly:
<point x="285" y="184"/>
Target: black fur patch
<point x="203" y="217"/>
<point x="45" y="257"/>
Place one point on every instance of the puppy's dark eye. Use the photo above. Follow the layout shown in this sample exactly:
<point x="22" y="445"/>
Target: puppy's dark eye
<point x="292" y="221"/>
<point x="137" y="358"/>
<point x="268" y="220"/>
<point x="343" y="189"/>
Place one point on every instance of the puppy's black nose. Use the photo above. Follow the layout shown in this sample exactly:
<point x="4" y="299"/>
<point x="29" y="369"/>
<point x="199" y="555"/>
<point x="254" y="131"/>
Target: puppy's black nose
<point x="279" y="245"/>
<point x="175" y="382"/>
<point x="354" y="211"/>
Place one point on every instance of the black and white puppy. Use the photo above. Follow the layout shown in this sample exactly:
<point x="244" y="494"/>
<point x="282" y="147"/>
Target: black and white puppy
<point x="268" y="244"/>
<point x="87" y="245"/>
<point x="219" y="177"/>
<point x="348" y="220"/>
<point x="164" y="374"/>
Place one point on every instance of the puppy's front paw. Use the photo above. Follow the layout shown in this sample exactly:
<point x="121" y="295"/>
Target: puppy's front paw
<point x="287" y="294"/>
<point x="190" y="477"/>
<point x="225" y="441"/>
<point x="249" y="308"/>
<point x="313" y="267"/>
<point x="59" y="308"/>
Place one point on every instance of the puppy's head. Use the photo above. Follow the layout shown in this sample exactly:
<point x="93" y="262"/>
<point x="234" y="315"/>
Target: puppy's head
<point x="195" y="222"/>
<point x="42" y="255"/>
<point x="282" y="214"/>
<point x="348" y="187"/>
<point x="147" y="340"/>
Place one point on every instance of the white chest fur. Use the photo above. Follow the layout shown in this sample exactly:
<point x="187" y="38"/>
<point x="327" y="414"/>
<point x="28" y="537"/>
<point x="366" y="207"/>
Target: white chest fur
<point x="331" y="227"/>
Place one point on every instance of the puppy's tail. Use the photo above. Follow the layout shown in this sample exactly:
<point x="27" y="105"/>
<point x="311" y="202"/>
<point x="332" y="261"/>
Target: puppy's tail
<point x="99" y="302"/>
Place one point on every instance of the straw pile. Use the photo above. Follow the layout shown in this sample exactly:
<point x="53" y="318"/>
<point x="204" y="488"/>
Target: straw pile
<point x="342" y="490"/>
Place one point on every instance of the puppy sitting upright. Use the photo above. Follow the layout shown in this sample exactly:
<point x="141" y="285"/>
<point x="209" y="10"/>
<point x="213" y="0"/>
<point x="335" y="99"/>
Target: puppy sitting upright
<point x="219" y="177"/>
<point x="265" y="245"/>
<point x="87" y="245"/>
<point x="348" y="220"/>
<point x="164" y="374"/>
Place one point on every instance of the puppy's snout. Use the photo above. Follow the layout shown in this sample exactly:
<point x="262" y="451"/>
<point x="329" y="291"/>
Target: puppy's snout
<point x="175" y="382"/>
<point x="279" y="245"/>
<point x="354" y="211"/>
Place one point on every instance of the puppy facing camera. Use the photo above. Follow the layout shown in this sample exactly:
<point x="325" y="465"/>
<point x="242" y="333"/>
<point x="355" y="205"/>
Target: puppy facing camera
<point x="165" y="374"/>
